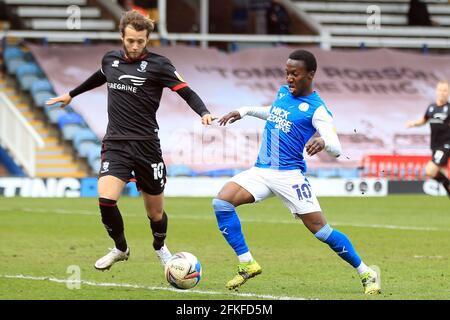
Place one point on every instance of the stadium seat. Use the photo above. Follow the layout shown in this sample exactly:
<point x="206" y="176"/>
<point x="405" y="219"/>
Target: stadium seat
<point x="27" y="68"/>
<point x="41" y="85"/>
<point x="94" y="157"/>
<point x="53" y="113"/>
<point x="84" y="140"/>
<point x="27" y="81"/>
<point x="84" y="147"/>
<point x="70" y="118"/>
<point x="85" y="135"/>
<point x="13" y="63"/>
<point x="70" y="130"/>
<point x="26" y="74"/>
<point x="41" y="97"/>
<point x="13" y="52"/>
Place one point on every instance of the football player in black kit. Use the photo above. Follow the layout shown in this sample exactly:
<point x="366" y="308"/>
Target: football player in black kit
<point x="135" y="80"/>
<point x="438" y="115"/>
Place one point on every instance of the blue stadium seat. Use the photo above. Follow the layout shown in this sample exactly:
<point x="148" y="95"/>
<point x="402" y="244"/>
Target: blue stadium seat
<point x="13" y="52"/>
<point x="53" y="113"/>
<point x="84" y="135"/>
<point x="70" y="118"/>
<point x="12" y="64"/>
<point x="70" y="130"/>
<point x="96" y="165"/>
<point x="41" y="97"/>
<point x="84" y="140"/>
<point x="41" y="85"/>
<point x="26" y="74"/>
<point x="84" y="147"/>
<point x="28" y="68"/>
<point x="27" y="81"/>
<point x="94" y="157"/>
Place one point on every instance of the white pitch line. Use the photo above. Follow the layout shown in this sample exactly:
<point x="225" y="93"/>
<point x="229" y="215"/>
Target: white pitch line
<point x="250" y="220"/>
<point x="137" y="286"/>
<point x="427" y="257"/>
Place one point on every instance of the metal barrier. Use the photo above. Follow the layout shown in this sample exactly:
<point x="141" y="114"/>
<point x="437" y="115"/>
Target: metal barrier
<point x="18" y="136"/>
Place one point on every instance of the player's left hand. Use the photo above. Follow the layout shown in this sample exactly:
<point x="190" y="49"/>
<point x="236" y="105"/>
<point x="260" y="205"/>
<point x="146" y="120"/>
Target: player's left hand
<point x="207" y="119"/>
<point x="314" y="146"/>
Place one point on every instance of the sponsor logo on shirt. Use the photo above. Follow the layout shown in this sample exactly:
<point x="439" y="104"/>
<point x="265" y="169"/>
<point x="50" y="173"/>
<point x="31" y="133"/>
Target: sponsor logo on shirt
<point x="115" y="64"/>
<point x="135" y="82"/>
<point x="279" y="116"/>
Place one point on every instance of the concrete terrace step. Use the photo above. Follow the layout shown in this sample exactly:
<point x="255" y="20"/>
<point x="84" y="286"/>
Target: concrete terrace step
<point x="61" y="174"/>
<point x="64" y="166"/>
<point x="61" y="24"/>
<point x="55" y="12"/>
<point x="60" y="156"/>
<point x="56" y="162"/>
<point x="56" y="172"/>
<point x="49" y="152"/>
<point x="50" y="141"/>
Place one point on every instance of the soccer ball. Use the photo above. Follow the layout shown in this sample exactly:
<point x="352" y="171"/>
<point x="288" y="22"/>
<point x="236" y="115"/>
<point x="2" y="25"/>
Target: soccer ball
<point x="183" y="270"/>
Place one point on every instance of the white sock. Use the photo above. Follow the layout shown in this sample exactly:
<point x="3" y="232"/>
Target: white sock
<point x="245" y="257"/>
<point x="362" y="268"/>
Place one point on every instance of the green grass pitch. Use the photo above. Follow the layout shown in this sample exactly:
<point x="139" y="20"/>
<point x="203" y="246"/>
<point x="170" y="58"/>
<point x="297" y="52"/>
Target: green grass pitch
<point x="407" y="237"/>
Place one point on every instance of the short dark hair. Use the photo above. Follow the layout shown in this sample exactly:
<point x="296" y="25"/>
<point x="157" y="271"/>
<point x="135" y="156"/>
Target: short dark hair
<point x="305" y="56"/>
<point x="137" y="21"/>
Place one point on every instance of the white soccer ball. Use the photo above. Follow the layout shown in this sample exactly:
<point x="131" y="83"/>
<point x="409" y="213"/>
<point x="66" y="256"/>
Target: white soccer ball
<point x="183" y="270"/>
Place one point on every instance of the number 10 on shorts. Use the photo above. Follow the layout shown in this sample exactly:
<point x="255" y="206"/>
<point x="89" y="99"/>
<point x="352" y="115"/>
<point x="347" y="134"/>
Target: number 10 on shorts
<point x="303" y="191"/>
<point x="158" y="170"/>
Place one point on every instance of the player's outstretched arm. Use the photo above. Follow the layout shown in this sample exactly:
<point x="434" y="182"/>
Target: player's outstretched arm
<point x="196" y="104"/>
<point x="65" y="99"/>
<point x="328" y="140"/>
<point x="229" y="118"/>
<point x="416" y="123"/>
<point x="94" y="81"/>
<point x="258" y="112"/>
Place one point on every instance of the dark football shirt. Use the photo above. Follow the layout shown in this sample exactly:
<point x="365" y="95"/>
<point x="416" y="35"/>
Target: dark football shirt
<point x="134" y="93"/>
<point x="439" y="119"/>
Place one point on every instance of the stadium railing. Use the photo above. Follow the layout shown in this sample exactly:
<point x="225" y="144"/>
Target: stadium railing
<point x="18" y="136"/>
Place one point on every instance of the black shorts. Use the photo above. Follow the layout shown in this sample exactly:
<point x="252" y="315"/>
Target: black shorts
<point x="141" y="160"/>
<point x="440" y="156"/>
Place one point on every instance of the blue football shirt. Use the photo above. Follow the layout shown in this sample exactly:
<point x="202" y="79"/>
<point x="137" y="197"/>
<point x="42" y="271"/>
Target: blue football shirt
<point x="288" y="128"/>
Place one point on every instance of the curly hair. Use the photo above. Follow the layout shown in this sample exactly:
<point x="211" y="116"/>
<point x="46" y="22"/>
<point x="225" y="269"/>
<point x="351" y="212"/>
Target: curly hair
<point x="137" y="21"/>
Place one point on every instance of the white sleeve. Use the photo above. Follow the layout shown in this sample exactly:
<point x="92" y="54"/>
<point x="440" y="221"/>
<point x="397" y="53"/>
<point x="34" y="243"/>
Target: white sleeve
<point x="258" y="112"/>
<point x="323" y="123"/>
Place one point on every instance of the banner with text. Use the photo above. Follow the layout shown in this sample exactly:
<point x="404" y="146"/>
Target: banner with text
<point x="372" y="93"/>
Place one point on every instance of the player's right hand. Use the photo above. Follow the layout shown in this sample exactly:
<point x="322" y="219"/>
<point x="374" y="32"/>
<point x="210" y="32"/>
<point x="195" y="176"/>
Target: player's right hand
<point x="410" y="124"/>
<point x="64" y="100"/>
<point x="230" y="118"/>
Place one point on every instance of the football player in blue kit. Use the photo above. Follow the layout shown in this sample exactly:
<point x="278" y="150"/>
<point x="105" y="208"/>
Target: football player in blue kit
<point x="291" y="121"/>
